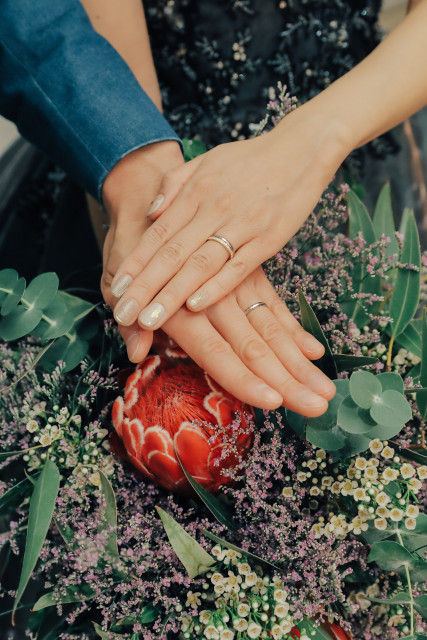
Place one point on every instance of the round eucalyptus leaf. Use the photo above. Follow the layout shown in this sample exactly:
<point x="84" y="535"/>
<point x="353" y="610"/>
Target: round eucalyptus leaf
<point x="364" y="387"/>
<point x="391" y="380"/>
<point x="72" y="353"/>
<point x="329" y="439"/>
<point x="385" y="432"/>
<point x="390" y="556"/>
<point x="56" y="321"/>
<point x="19" y="323"/>
<point x="13" y="298"/>
<point x="8" y="277"/>
<point x="353" y="419"/>
<point x="355" y="443"/>
<point x="421" y="605"/>
<point x="323" y="429"/>
<point x="391" y="408"/>
<point x="41" y="291"/>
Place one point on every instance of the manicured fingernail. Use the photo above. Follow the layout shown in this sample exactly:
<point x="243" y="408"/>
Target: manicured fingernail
<point x="320" y="384"/>
<point x="120" y="284"/>
<point x="132" y="344"/>
<point x="311" y="344"/>
<point x="152" y="314"/>
<point x="196" y="300"/>
<point x="157" y="202"/>
<point x="126" y="311"/>
<point x="270" y="395"/>
<point x="312" y="400"/>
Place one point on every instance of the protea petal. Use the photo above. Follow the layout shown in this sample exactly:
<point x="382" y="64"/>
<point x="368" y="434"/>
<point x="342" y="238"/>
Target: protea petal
<point x="117" y="414"/>
<point x="193" y="448"/>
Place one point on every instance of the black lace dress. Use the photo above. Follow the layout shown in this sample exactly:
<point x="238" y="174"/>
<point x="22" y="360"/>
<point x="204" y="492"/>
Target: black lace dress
<point x="218" y="62"/>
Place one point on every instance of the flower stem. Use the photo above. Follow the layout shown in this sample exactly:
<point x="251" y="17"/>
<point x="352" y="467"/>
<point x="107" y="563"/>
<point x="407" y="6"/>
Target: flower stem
<point x="389" y="354"/>
<point x="409" y="581"/>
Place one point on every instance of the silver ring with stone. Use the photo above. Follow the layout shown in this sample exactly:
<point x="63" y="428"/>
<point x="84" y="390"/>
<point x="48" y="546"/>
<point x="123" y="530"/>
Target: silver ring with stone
<point x="225" y="243"/>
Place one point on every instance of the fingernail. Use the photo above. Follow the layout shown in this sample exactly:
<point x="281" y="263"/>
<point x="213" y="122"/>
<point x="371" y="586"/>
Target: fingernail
<point x="132" y="344"/>
<point x="270" y="395"/>
<point x="320" y="384"/>
<point x="120" y="284"/>
<point x="152" y="314"/>
<point x="158" y="200"/>
<point x="312" y="400"/>
<point x="126" y="311"/>
<point x="311" y="344"/>
<point x="197" y="299"/>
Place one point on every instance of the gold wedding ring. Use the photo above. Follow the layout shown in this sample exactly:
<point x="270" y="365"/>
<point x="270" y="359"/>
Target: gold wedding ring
<point x="254" y="306"/>
<point x="225" y="243"/>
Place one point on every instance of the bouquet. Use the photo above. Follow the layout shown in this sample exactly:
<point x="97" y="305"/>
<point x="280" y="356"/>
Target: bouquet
<point x="150" y="503"/>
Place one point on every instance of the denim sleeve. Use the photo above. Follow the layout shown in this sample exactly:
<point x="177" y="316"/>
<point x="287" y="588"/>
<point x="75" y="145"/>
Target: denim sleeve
<point x="69" y="92"/>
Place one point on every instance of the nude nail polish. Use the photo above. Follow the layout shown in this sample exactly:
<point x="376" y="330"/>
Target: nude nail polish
<point x="157" y="202"/>
<point x="197" y="299"/>
<point x="132" y="344"/>
<point x="120" y="284"/>
<point x="126" y="311"/>
<point x="152" y="314"/>
<point x="270" y="395"/>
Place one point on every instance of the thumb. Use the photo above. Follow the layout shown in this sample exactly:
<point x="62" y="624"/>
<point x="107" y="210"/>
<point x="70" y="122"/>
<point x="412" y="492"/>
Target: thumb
<point x="170" y="186"/>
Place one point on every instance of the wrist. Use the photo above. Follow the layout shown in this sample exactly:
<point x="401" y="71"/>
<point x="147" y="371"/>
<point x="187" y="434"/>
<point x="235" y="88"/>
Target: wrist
<point x="133" y="182"/>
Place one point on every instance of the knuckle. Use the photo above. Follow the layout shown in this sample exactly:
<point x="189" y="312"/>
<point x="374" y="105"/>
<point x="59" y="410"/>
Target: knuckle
<point x="200" y="261"/>
<point x="239" y="266"/>
<point x="140" y="289"/>
<point x="223" y="202"/>
<point x="204" y="183"/>
<point x="278" y="308"/>
<point x="171" y="253"/>
<point x="252" y="349"/>
<point x="287" y="386"/>
<point x="272" y="331"/>
<point x="217" y="347"/>
<point x="157" y="233"/>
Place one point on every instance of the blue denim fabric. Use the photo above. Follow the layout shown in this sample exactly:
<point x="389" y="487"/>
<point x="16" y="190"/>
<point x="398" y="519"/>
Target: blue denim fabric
<point x="69" y="92"/>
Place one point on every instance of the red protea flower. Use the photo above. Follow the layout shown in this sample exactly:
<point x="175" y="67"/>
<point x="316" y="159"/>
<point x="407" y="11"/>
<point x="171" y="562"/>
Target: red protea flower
<point x="172" y="408"/>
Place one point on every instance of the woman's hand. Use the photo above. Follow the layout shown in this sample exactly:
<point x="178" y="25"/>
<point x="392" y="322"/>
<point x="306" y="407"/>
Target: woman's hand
<point x="255" y="193"/>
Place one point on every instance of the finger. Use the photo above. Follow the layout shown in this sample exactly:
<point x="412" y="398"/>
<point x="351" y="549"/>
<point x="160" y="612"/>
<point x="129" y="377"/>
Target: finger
<point x="255" y="353"/>
<point x="196" y="335"/>
<point x="138" y="342"/>
<point x="282" y="343"/>
<point x="170" y="186"/>
<point x="245" y="261"/>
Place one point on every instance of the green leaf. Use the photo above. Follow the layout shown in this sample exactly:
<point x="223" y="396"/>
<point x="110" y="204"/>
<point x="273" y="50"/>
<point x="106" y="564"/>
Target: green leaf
<point x="390" y="556"/>
<point x="386" y="431"/>
<point x="421" y="396"/>
<point x="391" y="408"/>
<point x="72" y="594"/>
<point x="414" y="539"/>
<point x="19" y="323"/>
<point x="415" y="455"/>
<point x="215" y="506"/>
<point x="192" y="148"/>
<point x="41" y="291"/>
<point x="383" y="221"/>
<point x="9" y="454"/>
<point x="42" y="504"/>
<point x="296" y="421"/>
<point x="194" y="558"/>
<point x="391" y="380"/>
<point x="406" y="294"/>
<point x="228" y="545"/>
<point x="410" y="339"/>
<point x="311" y="324"/>
<point x="20" y="490"/>
<point x="56" y="320"/>
<point x="313" y="631"/>
<point x="70" y="352"/>
<point x="14" y="296"/>
<point x="420" y="604"/>
<point x="108" y="635"/>
<point x="353" y="419"/>
<point x="360" y="220"/>
<point x="398" y="598"/>
<point x="323" y="431"/>
<point x="108" y="521"/>
<point x="349" y="363"/>
<point x="364" y="386"/>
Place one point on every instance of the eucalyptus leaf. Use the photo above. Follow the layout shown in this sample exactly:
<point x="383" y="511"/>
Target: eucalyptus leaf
<point x="41" y="291"/>
<point x="323" y="431"/>
<point x="42" y="504"/>
<point x="71" y="352"/>
<point x="364" y="386"/>
<point x="398" y="598"/>
<point x="217" y="508"/>
<point x="422" y="395"/>
<point x="296" y="421"/>
<point x="19" y="322"/>
<point x="56" y="320"/>
<point x="194" y="558"/>
<point x="390" y="556"/>
<point x="19" y="491"/>
<point x="228" y="545"/>
<point x="348" y="363"/>
<point x="352" y="419"/>
<point x="404" y="301"/>
<point x="386" y="431"/>
<point x="414" y="539"/>
<point x="14" y="297"/>
<point x="415" y="455"/>
<point x="192" y="148"/>
<point x="391" y="408"/>
<point x="311" y="324"/>
<point x="410" y="339"/>
<point x="420" y="604"/>
<point x="383" y="221"/>
<point x="419" y="571"/>
<point x="391" y="380"/>
<point x="108" y="521"/>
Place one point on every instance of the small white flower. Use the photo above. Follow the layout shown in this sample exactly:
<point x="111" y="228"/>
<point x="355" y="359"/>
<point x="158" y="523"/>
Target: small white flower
<point x="380" y="523"/>
<point x="336" y="487"/>
<point x="211" y="632"/>
<point x="315" y="491"/>
<point x="412" y="511"/>
<point x="312" y="465"/>
<point x="281" y="609"/>
<point x="407" y="471"/>
<point x="301" y="476"/>
<point x="361" y="463"/>
<point x="217" y="578"/>
<point x="285" y="626"/>
<point x="415" y="484"/>
<point x="193" y="599"/>
<point x="219" y="588"/>
<point x="276" y="632"/>
<point x="287" y="492"/>
<point x="360" y="494"/>
<point x="240" y="624"/>
<point x="251" y="579"/>
<point x="95" y="479"/>
<point x="243" y="609"/>
<point x="327" y="481"/>
<point x="387" y="452"/>
<point x="371" y="473"/>
<point x="389" y="475"/>
<point x="376" y="446"/>
<point x="422" y="472"/>
<point x="382" y="499"/>
<point x="280" y="595"/>
<point x="204" y="617"/>
<point x="227" y="634"/>
<point x="32" y="426"/>
<point x="410" y="523"/>
<point x="77" y="419"/>
<point x="382" y="512"/>
<point x="396" y="514"/>
<point x="254" y="630"/>
<point x="45" y="440"/>
<point x="186" y="622"/>
<point x="321" y="453"/>
<point x="244" y="568"/>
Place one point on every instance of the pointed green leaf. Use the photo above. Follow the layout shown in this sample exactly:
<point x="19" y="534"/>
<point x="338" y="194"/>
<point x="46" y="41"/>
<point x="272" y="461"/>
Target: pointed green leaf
<point x="228" y="545"/>
<point x="410" y="339"/>
<point x="41" y="291"/>
<point x="19" y="323"/>
<point x="108" y="635"/>
<point x="349" y="363"/>
<point x="415" y="455"/>
<point x="194" y="558"/>
<point x="70" y="352"/>
<point x="109" y="518"/>
<point x="72" y="594"/>
<point x="422" y="395"/>
<point x="383" y="221"/>
<point x="215" y="506"/>
<point x="398" y="598"/>
<point x="13" y="298"/>
<point x="364" y="387"/>
<point x="390" y="556"/>
<point x="359" y="219"/>
<point x="311" y="324"/>
<point x="20" y="490"/>
<point x="42" y="504"/>
<point x="404" y="301"/>
<point x="8" y="454"/>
